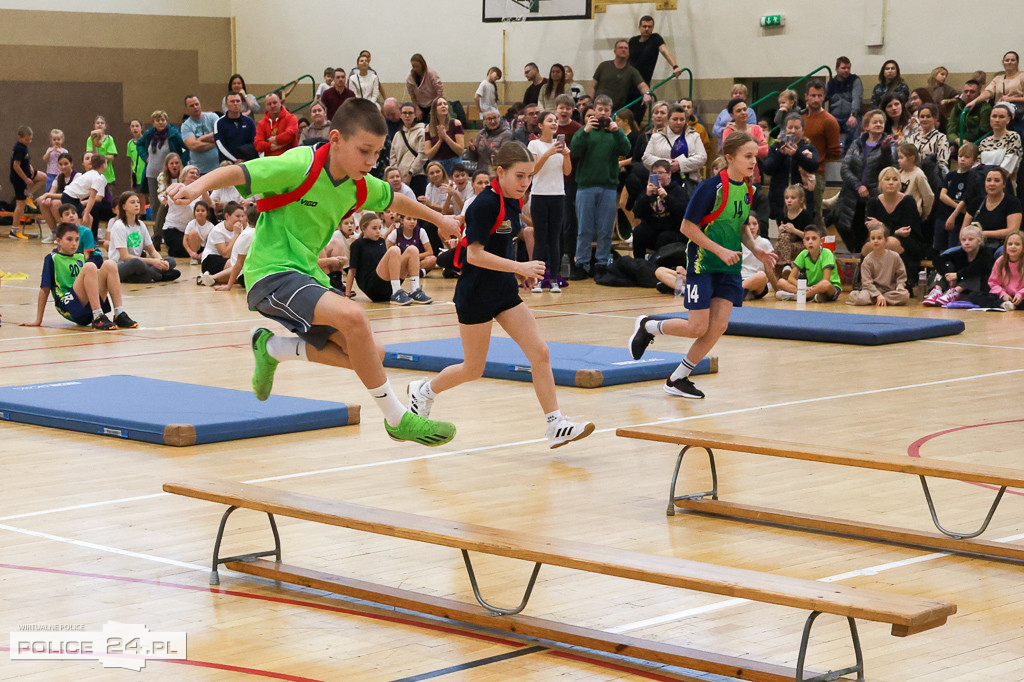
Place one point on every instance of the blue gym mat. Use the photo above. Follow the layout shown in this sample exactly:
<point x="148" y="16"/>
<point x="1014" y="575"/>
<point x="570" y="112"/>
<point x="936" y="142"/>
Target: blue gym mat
<point x="573" y="364"/>
<point x="850" y="328"/>
<point x="166" y="412"/>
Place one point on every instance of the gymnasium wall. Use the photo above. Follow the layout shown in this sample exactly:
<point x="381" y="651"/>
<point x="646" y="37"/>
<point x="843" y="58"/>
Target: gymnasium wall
<point x="63" y="68"/>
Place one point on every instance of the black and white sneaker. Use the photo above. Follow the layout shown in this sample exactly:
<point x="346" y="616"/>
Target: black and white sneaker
<point x="564" y="431"/>
<point x="641" y="338"/>
<point x="418" y="403"/>
<point x="683" y="388"/>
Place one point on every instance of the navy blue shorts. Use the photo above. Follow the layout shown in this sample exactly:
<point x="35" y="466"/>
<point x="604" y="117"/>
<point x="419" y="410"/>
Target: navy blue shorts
<point x="78" y="311"/>
<point x="701" y="288"/>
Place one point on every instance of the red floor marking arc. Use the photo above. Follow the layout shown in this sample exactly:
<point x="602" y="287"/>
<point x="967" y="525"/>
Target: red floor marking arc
<point x="224" y="666"/>
<point x="324" y="607"/>
<point x="914" y="450"/>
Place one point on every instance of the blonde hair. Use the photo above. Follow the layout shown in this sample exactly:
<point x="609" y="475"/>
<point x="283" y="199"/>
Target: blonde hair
<point x="184" y="171"/>
<point x="158" y="114"/>
<point x="740" y="87"/>
<point x="58" y="132"/>
<point x="888" y="170"/>
<point x="788" y="94"/>
<point x="975" y="229"/>
<point x="932" y="83"/>
<point x="796" y="190"/>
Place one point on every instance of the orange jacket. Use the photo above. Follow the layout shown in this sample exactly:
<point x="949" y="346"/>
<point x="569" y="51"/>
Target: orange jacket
<point x="285" y="127"/>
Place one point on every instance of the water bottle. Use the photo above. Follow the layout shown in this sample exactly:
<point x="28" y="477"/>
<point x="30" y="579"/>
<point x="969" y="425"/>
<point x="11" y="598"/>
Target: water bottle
<point x="801" y="287"/>
<point x="922" y="281"/>
<point x="564" y="269"/>
<point x="680" y="283"/>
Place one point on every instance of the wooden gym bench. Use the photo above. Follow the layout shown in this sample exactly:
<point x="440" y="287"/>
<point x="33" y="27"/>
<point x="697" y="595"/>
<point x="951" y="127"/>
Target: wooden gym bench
<point x="946" y="540"/>
<point x="906" y="615"/>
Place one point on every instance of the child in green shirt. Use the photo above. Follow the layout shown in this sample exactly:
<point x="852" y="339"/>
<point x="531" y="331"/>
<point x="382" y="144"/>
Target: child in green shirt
<point x="819" y="265"/>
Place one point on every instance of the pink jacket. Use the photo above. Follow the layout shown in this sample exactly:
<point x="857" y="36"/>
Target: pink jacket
<point x="429" y="89"/>
<point x="1010" y="286"/>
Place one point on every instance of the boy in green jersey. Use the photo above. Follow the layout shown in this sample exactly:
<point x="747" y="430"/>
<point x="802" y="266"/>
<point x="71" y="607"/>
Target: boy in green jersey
<point x="80" y="288"/>
<point x="306" y="194"/>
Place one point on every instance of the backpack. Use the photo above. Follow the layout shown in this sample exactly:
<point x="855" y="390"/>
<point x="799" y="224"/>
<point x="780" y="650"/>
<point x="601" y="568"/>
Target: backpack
<point x="320" y="154"/>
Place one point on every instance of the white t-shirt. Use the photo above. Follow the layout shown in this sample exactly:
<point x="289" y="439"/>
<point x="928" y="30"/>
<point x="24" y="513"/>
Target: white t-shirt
<point x="218" y="235"/>
<point x="488" y="97"/>
<point x="83" y="182"/>
<point x="406" y="191"/>
<point x="365" y="87"/>
<point x="549" y="181"/>
<point x="178" y="216"/>
<point x="241" y="245"/>
<point x="203" y="230"/>
<point x="321" y="89"/>
<point x="225" y="194"/>
<point x="466" y="192"/>
<point x="434" y="194"/>
<point x="469" y="201"/>
<point x="135" y="238"/>
<point x="424" y="239"/>
<point x="751" y="265"/>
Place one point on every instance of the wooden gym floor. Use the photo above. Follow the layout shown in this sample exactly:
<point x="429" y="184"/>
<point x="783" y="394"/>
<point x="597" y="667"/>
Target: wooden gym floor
<point x="87" y="536"/>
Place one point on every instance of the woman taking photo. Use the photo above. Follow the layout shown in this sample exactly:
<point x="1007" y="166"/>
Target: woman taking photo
<point x="547" y="198"/>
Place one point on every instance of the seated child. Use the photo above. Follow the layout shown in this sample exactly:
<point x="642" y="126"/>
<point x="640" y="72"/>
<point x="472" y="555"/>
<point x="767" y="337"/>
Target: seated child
<point x="791" y="228"/>
<point x="964" y="271"/>
<point x="132" y="248"/>
<point x="333" y="260"/>
<point x="394" y="178"/>
<point x="88" y="190"/>
<point x="379" y="269"/>
<point x="178" y="217"/>
<point x="755" y="278"/>
<point x="218" y="244"/>
<point x="883" y="275"/>
<point x="232" y="273"/>
<point x="961" y="188"/>
<point x="221" y="197"/>
<point x="86" y="242"/>
<point x="79" y="288"/>
<point x="1007" y="279"/>
<point x="197" y="232"/>
<point x="389" y="223"/>
<point x="819" y="265"/>
<point x="410" y="236"/>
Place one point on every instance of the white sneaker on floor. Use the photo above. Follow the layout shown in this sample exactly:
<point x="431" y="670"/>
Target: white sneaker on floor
<point x="206" y="279"/>
<point x="418" y="403"/>
<point x="785" y="296"/>
<point x="48" y="239"/>
<point x="1008" y="306"/>
<point x="537" y="289"/>
<point x="555" y="289"/>
<point x="193" y="261"/>
<point x="564" y="431"/>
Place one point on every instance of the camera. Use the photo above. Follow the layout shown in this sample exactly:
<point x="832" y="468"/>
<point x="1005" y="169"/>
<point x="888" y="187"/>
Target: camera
<point x="603" y="122"/>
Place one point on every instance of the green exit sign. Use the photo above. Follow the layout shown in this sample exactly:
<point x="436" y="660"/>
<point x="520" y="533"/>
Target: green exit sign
<point x="772" y="20"/>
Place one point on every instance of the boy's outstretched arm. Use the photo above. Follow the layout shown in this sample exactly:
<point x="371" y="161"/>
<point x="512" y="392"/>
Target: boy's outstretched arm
<point x="447" y="225"/>
<point x="218" y="179"/>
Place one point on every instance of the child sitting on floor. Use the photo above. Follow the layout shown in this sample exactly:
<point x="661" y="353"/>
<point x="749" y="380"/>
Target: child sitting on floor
<point x="218" y="245"/>
<point x="819" y="265"/>
<point x="333" y="260"/>
<point x="198" y="230"/>
<point x="79" y="288"/>
<point x="1006" y="283"/>
<point x="379" y="269"/>
<point x="964" y="271"/>
<point x="791" y="228"/>
<point x="883" y="275"/>
<point x="408" y="235"/>
<point x="755" y="278"/>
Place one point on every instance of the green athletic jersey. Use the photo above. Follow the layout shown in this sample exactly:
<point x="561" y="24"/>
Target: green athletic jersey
<point x="291" y="237"/>
<point x="59" y="273"/>
<point x="816" y="269"/>
<point x="725" y="230"/>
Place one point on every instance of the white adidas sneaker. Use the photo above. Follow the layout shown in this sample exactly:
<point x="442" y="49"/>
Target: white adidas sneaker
<point x="564" y="431"/>
<point x="418" y="403"/>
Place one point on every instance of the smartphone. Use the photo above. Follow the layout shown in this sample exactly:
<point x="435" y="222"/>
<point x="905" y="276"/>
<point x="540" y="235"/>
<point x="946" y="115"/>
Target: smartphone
<point x="560" y="139"/>
<point x="654" y="180"/>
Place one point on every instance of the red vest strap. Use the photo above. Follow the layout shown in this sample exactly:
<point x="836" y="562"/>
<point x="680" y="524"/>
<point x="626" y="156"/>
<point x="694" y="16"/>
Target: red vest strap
<point x="319" y="160"/>
<point x="463" y="243"/>
<point x="360" y="196"/>
<point x="724" y="175"/>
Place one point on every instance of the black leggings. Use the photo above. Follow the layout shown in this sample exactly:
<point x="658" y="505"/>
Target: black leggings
<point x="647" y="237"/>
<point x="174" y="239"/>
<point x="547" y="212"/>
<point x="135" y="271"/>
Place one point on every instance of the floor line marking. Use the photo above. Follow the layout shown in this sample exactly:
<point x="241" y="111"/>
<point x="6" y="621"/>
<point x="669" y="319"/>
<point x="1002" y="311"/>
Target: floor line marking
<point x="974" y="345"/>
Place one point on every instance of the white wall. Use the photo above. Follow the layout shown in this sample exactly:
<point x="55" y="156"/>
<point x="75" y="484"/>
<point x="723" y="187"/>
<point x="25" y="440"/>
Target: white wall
<point x="181" y="8"/>
<point x="718" y="40"/>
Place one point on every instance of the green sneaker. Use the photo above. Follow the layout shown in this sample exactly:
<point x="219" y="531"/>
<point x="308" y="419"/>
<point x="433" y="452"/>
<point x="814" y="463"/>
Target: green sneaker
<point x="420" y="430"/>
<point x="263" y="374"/>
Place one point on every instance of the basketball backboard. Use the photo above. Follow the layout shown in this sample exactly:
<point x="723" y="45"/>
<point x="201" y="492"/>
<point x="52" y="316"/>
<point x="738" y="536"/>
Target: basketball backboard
<point x="535" y="10"/>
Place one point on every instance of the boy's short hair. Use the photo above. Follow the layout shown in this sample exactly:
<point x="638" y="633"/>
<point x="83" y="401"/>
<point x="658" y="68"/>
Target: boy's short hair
<point x="661" y="163"/>
<point x="357" y="114"/>
<point x="24" y="131"/>
<point x="98" y="161"/>
<point x="564" y="99"/>
<point x="603" y="101"/>
<point x="813" y="228"/>
<point x="459" y="168"/>
<point x="64" y="208"/>
<point x="252" y="214"/>
<point x="970" y="148"/>
<point x="367" y="218"/>
<point x="843" y="60"/>
<point x="64" y="228"/>
<point x="231" y="207"/>
<point x="329" y="71"/>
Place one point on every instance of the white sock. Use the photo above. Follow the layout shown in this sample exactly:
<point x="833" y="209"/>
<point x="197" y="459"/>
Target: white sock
<point x="683" y="370"/>
<point x="427" y="391"/>
<point x="414" y="283"/>
<point x="388" y="403"/>
<point x="396" y="286"/>
<point x="653" y="327"/>
<point x="118" y="310"/>
<point x="553" y="417"/>
<point x="283" y="348"/>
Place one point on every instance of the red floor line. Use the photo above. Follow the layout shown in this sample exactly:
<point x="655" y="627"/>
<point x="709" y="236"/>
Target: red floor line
<point x="334" y="609"/>
<point x="223" y="666"/>
<point x="914" y="449"/>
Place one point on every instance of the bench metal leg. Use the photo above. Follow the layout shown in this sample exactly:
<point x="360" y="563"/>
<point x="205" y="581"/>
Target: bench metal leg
<point x="713" y="493"/>
<point x="831" y="674"/>
<point x="217" y="561"/>
<point x="495" y="610"/>
<point x="960" y="536"/>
